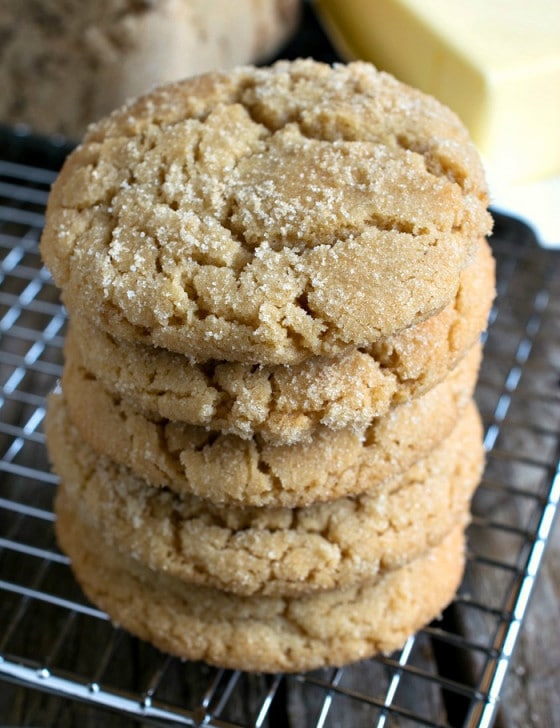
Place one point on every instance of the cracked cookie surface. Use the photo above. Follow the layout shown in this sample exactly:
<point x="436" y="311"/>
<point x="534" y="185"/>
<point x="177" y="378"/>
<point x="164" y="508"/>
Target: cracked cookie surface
<point x="267" y="215"/>
<point x="272" y="551"/>
<point x="226" y="468"/>
<point x="268" y="634"/>
<point x="285" y="404"/>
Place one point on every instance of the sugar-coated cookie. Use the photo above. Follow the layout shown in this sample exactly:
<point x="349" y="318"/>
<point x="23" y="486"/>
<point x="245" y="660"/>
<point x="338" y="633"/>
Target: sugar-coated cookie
<point x="268" y="634"/>
<point x="226" y="468"/>
<point x="266" y="215"/>
<point x="271" y="551"/>
<point x="284" y="404"/>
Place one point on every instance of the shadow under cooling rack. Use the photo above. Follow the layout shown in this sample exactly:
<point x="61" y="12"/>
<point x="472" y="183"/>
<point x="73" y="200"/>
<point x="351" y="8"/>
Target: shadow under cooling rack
<point x="54" y="644"/>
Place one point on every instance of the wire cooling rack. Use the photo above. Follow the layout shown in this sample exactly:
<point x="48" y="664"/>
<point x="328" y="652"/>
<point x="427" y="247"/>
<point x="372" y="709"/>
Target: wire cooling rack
<point x="60" y="658"/>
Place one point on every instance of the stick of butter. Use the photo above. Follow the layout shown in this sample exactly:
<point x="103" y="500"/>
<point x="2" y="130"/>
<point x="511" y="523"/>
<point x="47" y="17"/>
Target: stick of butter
<point x="496" y="63"/>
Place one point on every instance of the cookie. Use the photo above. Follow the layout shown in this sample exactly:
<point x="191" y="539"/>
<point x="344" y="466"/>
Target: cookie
<point x="272" y="551"/>
<point x="269" y="634"/>
<point x="67" y="64"/>
<point x="226" y="468"/>
<point x="266" y="215"/>
<point x="284" y="404"/>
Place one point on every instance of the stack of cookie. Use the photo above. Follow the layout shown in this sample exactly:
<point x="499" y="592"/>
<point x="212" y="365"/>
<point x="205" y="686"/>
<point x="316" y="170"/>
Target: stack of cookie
<point x="276" y="279"/>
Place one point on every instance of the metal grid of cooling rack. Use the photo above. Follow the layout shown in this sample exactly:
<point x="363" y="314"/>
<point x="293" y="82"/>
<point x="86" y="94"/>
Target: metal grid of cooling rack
<point x="54" y="644"/>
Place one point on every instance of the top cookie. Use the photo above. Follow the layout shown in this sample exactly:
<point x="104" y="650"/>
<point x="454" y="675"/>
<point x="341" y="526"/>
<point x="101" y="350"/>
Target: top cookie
<point x="267" y="214"/>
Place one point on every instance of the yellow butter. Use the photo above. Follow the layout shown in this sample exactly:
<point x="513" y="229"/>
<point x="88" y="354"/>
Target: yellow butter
<point x="495" y="62"/>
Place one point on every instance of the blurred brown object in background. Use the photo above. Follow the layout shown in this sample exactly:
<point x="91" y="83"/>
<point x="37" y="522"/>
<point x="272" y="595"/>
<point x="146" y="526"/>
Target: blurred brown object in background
<point x="65" y="63"/>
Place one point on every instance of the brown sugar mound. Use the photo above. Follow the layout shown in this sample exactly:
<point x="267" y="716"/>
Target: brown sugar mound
<point x="66" y="64"/>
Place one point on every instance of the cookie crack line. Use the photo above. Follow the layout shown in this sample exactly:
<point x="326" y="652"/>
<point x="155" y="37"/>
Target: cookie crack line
<point x="225" y="468"/>
<point x="240" y="243"/>
<point x="380" y="221"/>
<point x="194" y="536"/>
<point x="285" y="404"/>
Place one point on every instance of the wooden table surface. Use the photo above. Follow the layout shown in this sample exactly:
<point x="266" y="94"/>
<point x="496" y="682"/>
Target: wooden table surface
<point x="531" y="695"/>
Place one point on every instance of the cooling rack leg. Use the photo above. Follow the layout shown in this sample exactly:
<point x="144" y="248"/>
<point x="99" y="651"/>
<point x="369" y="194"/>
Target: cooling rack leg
<point x="452" y="664"/>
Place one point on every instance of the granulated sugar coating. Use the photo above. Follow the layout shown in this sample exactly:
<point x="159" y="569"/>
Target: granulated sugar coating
<point x="267" y="634"/>
<point x="226" y="469"/>
<point x="267" y="215"/>
<point x="285" y="404"/>
<point x="274" y="551"/>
